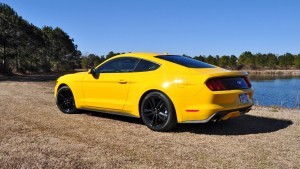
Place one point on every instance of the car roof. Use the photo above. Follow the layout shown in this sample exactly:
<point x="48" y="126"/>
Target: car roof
<point x="140" y="54"/>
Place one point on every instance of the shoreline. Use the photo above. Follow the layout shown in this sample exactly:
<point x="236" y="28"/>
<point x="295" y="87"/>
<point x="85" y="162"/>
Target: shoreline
<point x="275" y="107"/>
<point x="274" y="72"/>
<point x="255" y="72"/>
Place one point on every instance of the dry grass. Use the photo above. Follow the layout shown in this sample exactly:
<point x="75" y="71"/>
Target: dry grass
<point x="34" y="134"/>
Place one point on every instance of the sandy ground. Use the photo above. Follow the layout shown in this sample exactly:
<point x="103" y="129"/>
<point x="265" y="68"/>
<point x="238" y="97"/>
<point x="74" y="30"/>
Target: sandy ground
<point x="35" y="134"/>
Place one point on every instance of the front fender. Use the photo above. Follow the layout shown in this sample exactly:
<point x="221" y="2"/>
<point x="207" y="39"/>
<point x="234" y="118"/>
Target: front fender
<point x="74" y="82"/>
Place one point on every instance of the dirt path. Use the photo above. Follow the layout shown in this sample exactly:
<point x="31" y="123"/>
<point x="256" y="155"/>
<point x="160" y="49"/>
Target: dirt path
<point x="34" y="133"/>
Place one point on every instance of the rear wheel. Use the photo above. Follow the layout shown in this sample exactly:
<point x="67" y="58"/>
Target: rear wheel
<point x="65" y="100"/>
<point x="157" y="112"/>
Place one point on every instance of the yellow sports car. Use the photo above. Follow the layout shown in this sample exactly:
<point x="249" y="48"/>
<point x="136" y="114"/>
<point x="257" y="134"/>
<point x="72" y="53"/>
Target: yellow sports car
<point x="162" y="90"/>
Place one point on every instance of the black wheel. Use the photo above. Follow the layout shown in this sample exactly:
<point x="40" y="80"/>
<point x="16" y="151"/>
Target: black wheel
<point x="65" y="100"/>
<point x="157" y="112"/>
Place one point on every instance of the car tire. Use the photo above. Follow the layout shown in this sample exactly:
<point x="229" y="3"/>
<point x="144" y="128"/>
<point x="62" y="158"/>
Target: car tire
<point x="157" y="112"/>
<point x="65" y="100"/>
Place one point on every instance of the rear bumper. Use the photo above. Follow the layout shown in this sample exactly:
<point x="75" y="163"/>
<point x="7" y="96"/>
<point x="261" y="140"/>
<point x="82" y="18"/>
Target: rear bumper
<point x="206" y="104"/>
<point x="222" y="115"/>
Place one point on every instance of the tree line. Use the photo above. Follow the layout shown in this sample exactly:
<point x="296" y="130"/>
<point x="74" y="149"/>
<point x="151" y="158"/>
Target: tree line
<point x="259" y="61"/>
<point x="92" y="60"/>
<point x="246" y="60"/>
<point x="25" y="47"/>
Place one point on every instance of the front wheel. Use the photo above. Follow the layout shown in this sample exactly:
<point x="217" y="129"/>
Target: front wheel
<point x="65" y="100"/>
<point x="157" y="112"/>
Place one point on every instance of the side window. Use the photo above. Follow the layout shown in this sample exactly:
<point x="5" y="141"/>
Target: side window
<point x="118" y="65"/>
<point x="145" y="65"/>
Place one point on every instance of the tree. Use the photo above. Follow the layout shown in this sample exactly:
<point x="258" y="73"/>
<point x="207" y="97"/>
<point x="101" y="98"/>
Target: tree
<point x="200" y="58"/>
<point x="232" y="62"/>
<point x="217" y="60"/>
<point x="8" y="32"/>
<point x="90" y="61"/>
<point x="186" y="55"/>
<point x="289" y="59"/>
<point x="286" y="61"/>
<point x="224" y="61"/>
<point x="297" y="61"/>
<point x="248" y="59"/>
<point x="260" y="60"/>
<point x="271" y="61"/>
<point x="211" y="60"/>
<point x="111" y="54"/>
<point x="25" y="47"/>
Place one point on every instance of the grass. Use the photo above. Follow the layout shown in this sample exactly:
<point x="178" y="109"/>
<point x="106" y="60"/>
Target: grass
<point x="35" y="134"/>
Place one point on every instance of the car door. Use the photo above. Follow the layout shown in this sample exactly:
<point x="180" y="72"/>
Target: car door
<point x="108" y="87"/>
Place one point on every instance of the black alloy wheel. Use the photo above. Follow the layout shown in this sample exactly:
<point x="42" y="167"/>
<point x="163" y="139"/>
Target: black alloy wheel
<point x="65" y="100"/>
<point x="157" y="112"/>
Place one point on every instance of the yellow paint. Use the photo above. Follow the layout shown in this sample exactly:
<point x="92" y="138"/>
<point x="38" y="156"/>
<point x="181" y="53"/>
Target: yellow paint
<point x="184" y="86"/>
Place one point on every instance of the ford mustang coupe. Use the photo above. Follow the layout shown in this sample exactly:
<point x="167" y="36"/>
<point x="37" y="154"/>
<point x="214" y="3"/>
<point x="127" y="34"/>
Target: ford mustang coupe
<point x="162" y="90"/>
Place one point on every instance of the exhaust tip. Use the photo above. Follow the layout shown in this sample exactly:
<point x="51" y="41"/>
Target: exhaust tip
<point x="216" y="118"/>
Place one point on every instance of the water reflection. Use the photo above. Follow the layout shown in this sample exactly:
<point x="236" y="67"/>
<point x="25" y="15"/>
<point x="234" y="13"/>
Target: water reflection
<point x="266" y="77"/>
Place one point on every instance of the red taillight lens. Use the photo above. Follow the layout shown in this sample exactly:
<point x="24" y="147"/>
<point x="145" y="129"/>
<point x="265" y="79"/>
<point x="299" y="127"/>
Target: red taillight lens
<point x="215" y="84"/>
<point x="248" y="81"/>
<point x="228" y="83"/>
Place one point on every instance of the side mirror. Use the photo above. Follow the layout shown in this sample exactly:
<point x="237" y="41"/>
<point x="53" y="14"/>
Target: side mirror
<point x="92" y="71"/>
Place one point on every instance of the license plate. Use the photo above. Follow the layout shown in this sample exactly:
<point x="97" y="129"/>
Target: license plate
<point x="244" y="98"/>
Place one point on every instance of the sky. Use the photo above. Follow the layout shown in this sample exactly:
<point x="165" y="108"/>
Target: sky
<point x="191" y="27"/>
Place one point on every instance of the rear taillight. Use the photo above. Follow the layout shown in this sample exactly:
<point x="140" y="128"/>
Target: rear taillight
<point x="215" y="84"/>
<point x="228" y="83"/>
<point x="247" y="81"/>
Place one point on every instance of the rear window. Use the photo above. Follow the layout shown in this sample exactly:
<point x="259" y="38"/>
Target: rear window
<point x="145" y="65"/>
<point x="185" y="61"/>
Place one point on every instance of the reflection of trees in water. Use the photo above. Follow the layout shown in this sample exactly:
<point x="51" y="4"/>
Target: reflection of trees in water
<point x="260" y="77"/>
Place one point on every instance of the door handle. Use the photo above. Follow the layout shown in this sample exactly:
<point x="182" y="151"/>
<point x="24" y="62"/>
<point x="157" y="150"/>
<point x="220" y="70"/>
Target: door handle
<point x="122" y="81"/>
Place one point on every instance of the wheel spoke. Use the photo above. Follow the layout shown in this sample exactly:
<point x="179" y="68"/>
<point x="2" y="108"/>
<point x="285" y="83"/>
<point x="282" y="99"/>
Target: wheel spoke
<point x="61" y="104"/>
<point x="159" y="104"/>
<point x="68" y="105"/>
<point x="64" y="105"/>
<point x="148" y="112"/>
<point x="156" y="120"/>
<point x="148" y="102"/>
<point x="153" y="120"/>
<point x="67" y="93"/>
<point x="70" y="94"/>
<point x="61" y="96"/>
<point x="162" y="116"/>
<point x="152" y="101"/>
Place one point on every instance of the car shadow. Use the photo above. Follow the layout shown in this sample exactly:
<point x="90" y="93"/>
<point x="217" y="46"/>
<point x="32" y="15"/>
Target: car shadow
<point x="244" y="125"/>
<point x="112" y="117"/>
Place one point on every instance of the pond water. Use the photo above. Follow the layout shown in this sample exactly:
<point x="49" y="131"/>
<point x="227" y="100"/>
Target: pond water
<point x="276" y="90"/>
